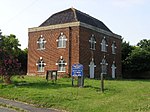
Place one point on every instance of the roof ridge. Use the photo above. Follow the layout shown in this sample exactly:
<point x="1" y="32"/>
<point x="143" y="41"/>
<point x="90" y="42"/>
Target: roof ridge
<point x="74" y="12"/>
<point x="73" y="15"/>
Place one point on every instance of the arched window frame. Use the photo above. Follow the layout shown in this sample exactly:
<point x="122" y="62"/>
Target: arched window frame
<point x="113" y="65"/>
<point x="92" y="42"/>
<point x="104" y="45"/>
<point x="61" y="65"/>
<point x="40" y="65"/>
<point x="113" y="46"/>
<point x="61" y="41"/>
<point x="104" y="65"/>
<point x="41" y="43"/>
<point x="113" y="68"/>
<point x="91" y="62"/>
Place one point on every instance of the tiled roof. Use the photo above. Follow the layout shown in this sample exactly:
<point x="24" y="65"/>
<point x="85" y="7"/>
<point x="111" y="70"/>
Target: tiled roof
<point x="73" y="15"/>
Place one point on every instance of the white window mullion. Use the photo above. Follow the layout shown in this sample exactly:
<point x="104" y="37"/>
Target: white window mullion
<point x="92" y="43"/>
<point x="104" y="45"/>
<point x="61" y="65"/>
<point x="62" y="41"/>
<point x="41" y="43"/>
<point x="40" y="65"/>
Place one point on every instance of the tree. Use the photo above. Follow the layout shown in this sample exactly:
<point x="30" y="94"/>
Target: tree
<point x="22" y="57"/>
<point x="9" y="66"/>
<point x="138" y="61"/>
<point x="9" y="49"/>
<point x="135" y="59"/>
<point x="126" y="49"/>
<point x="144" y="44"/>
<point x="11" y="44"/>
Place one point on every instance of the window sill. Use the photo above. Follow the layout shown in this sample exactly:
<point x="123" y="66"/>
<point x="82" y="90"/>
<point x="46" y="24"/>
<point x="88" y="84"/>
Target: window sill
<point x="40" y="71"/>
<point x="92" y="49"/>
<point x="61" y="47"/>
<point x="61" y="71"/>
<point x="103" y="51"/>
<point x="41" y="49"/>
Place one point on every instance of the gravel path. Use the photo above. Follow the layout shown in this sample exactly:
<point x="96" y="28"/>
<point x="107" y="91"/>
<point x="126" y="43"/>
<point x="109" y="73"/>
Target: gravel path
<point x="21" y="107"/>
<point x="4" y="109"/>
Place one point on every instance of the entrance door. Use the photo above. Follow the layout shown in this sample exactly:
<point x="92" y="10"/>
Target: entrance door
<point x="92" y="67"/>
<point x="113" y="71"/>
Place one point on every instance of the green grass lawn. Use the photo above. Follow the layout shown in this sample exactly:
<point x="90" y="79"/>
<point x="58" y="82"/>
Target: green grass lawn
<point x="119" y="95"/>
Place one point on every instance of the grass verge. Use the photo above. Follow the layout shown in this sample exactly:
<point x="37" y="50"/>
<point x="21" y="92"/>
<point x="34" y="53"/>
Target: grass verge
<point x="119" y="96"/>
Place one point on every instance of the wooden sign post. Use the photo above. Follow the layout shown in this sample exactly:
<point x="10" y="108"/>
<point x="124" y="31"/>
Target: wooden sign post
<point x="102" y="82"/>
<point x="77" y="71"/>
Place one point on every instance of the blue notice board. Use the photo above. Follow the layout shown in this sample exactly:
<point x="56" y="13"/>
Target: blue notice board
<point x="77" y="70"/>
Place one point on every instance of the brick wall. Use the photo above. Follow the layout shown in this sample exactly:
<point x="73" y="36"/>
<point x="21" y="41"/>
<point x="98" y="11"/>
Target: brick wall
<point x="86" y="54"/>
<point x="51" y="54"/>
<point x="77" y="50"/>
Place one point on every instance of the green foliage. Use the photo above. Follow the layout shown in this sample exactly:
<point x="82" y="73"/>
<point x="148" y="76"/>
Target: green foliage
<point x="10" y="44"/>
<point x="135" y="59"/>
<point x="12" y="57"/>
<point x="144" y="44"/>
<point x="119" y="96"/>
<point x="22" y="57"/>
<point x="138" y="61"/>
<point x="126" y="49"/>
<point x="9" y="51"/>
<point x="9" y="66"/>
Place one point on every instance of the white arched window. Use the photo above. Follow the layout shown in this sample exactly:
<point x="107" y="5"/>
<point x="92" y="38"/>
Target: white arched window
<point x="104" y="66"/>
<point x="61" y="41"/>
<point x="113" y="48"/>
<point x="113" y="70"/>
<point x="61" y="65"/>
<point x="41" y="43"/>
<point x="104" y="45"/>
<point x="92" y="42"/>
<point x="40" y="65"/>
<point x="92" y="68"/>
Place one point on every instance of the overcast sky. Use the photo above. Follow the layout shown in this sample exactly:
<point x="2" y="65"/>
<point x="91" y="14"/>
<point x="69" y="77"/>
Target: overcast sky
<point x="128" y="18"/>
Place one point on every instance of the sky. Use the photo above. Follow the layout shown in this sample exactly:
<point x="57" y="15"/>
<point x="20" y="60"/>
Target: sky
<point x="128" y="18"/>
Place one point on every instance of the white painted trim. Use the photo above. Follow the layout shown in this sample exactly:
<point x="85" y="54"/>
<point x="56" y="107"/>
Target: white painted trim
<point x="41" y="49"/>
<point x="61" y="47"/>
<point x="99" y="30"/>
<point x="66" y="25"/>
<point x="61" y="71"/>
<point x="54" y="26"/>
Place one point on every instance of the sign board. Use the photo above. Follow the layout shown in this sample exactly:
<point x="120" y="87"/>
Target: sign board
<point x="77" y="70"/>
<point x="52" y="75"/>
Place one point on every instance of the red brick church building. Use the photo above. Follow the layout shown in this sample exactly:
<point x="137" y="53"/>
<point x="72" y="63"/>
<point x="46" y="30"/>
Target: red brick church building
<point x="71" y="37"/>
